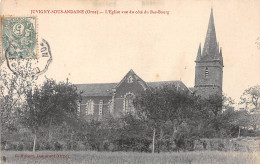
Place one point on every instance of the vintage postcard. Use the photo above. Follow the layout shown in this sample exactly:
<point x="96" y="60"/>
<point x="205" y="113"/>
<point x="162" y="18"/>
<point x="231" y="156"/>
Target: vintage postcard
<point x="130" y="81"/>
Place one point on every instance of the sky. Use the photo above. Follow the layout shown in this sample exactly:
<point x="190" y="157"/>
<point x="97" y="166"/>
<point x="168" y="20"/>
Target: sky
<point x="158" y="47"/>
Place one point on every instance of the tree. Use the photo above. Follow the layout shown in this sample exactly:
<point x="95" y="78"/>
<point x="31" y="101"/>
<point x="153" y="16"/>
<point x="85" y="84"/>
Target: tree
<point x="227" y="103"/>
<point x="222" y="109"/>
<point x="134" y="134"/>
<point x="240" y="119"/>
<point x="50" y="105"/>
<point x="244" y="120"/>
<point x="13" y="86"/>
<point x="215" y="103"/>
<point x="251" y="97"/>
<point x="254" y="120"/>
<point x="166" y="103"/>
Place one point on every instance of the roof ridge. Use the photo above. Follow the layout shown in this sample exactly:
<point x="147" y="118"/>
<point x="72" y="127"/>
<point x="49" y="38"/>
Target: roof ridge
<point x="95" y="83"/>
<point x="166" y="81"/>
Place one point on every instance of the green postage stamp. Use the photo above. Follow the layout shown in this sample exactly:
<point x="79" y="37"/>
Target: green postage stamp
<point x="18" y="38"/>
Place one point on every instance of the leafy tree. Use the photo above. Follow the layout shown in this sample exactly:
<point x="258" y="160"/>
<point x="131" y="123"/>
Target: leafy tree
<point x="251" y="97"/>
<point x="166" y="103"/>
<point x="13" y="87"/>
<point x="215" y="103"/>
<point x="254" y="120"/>
<point x="134" y="134"/>
<point x="50" y="105"/>
<point x="95" y="135"/>
<point x="102" y="134"/>
<point x="227" y="103"/>
<point x="240" y="119"/>
<point x="243" y="120"/>
<point x="220" y="109"/>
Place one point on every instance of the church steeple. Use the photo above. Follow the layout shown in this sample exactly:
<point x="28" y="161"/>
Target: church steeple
<point x="209" y="64"/>
<point x="210" y="45"/>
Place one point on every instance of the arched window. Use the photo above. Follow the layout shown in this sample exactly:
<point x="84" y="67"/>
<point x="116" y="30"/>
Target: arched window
<point x="129" y="106"/>
<point x="206" y="72"/>
<point x="90" y="107"/>
<point x="130" y="79"/>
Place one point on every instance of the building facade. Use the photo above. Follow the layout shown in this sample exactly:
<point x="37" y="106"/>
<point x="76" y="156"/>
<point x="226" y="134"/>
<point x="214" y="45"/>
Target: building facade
<point x="117" y="98"/>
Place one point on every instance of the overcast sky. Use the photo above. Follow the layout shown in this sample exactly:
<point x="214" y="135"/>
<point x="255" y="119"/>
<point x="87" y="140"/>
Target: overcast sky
<point x="103" y="48"/>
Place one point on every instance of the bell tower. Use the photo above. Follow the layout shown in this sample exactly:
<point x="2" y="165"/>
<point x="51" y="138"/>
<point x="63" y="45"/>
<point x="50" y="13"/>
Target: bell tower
<point x="209" y="64"/>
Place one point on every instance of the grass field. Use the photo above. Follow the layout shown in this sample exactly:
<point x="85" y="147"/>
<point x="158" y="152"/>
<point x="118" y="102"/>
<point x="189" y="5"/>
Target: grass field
<point x="88" y="157"/>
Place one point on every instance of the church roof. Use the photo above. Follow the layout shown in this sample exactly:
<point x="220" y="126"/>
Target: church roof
<point x="179" y="84"/>
<point x="132" y="73"/>
<point x="105" y="89"/>
<point x="97" y="89"/>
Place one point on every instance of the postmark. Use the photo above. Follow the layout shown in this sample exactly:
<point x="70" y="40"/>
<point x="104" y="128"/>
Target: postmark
<point x="36" y="67"/>
<point x="19" y="37"/>
<point x="45" y="58"/>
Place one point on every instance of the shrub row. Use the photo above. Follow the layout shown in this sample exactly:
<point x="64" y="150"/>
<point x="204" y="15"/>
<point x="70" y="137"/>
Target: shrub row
<point x="236" y="144"/>
<point x="28" y="146"/>
<point x="232" y="144"/>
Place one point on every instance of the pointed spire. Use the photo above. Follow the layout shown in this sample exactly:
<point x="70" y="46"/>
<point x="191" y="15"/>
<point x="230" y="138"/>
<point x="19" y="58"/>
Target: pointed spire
<point x="199" y="53"/>
<point x="211" y="39"/>
<point x="220" y="53"/>
<point x="220" y="57"/>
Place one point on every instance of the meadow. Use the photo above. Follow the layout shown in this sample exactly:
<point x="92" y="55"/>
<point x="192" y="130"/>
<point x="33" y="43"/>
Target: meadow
<point x="91" y="157"/>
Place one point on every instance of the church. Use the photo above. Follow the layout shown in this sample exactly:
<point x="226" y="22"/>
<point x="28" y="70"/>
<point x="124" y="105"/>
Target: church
<point x="117" y="98"/>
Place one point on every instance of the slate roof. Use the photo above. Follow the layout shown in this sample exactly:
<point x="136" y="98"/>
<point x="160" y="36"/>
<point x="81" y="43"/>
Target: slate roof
<point x="105" y="89"/>
<point x="178" y="84"/>
<point x="100" y="89"/>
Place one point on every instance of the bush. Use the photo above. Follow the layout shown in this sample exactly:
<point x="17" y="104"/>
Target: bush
<point x="189" y="144"/>
<point x="111" y="147"/>
<point x="68" y="146"/>
<point x="58" y="146"/>
<point x="221" y="147"/>
<point x="77" y="146"/>
<point x="74" y="146"/>
<point x="9" y="146"/>
<point x="14" y="146"/>
<point x="3" y="143"/>
<point x="81" y="146"/>
<point x="47" y="146"/>
<point x="28" y="146"/>
<point x="87" y="146"/>
<point x="20" y="147"/>
<point x="179" y="143"/>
